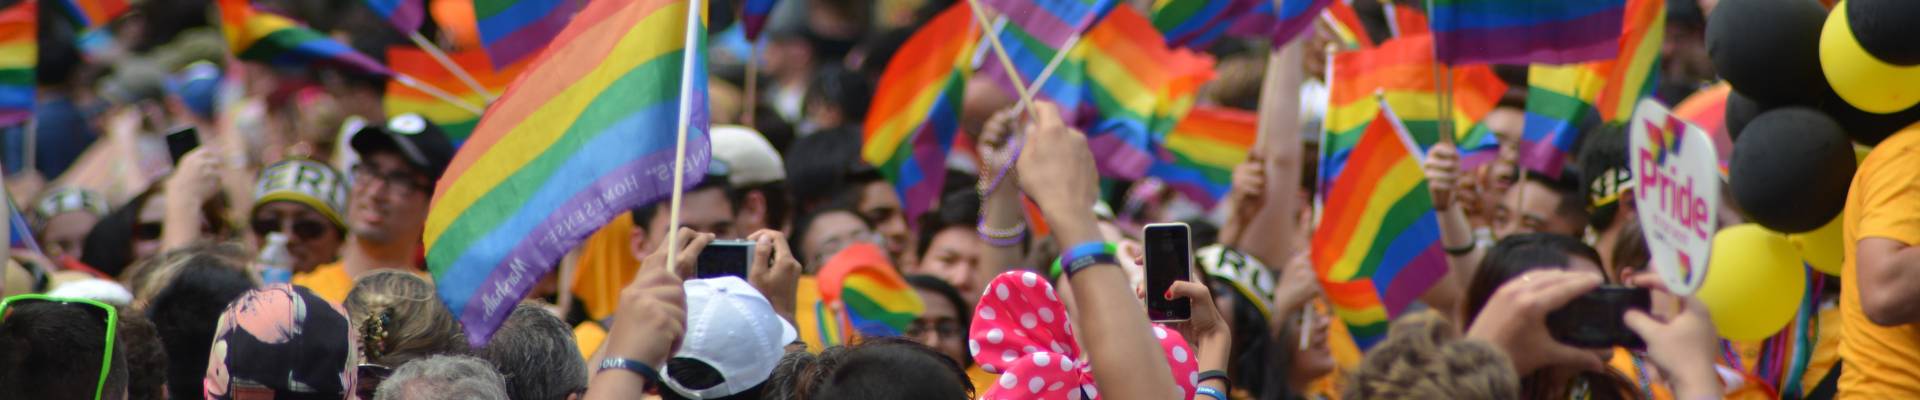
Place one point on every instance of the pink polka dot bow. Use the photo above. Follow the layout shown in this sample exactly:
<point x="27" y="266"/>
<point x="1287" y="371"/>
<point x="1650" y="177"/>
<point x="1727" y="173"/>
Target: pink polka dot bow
<point x="1021" y="331"/>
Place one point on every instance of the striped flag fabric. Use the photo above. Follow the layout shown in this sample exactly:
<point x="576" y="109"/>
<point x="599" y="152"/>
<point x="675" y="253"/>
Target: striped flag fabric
<point x="1401" y="71"/>
<point x="92" y="13"/>
<point x="456" y="21"/>
<point x="916" y="108"/>
<point x="1052" y="21"/>
<point x="1346" y="26"/>
<point x="587" y="134"/>
<point x="512" y="30"/>
<point x="1197" y="24"/>
<point x="1197" y="157"/>
<point x="1525" y="31"/>
<point x="1377" y="247"/>
<point x="1282" y="22"/>
<point x="278" y="40"/>
<point x="875" y="299"/>
<point x="19" y="51"/>
<point x="1405" y="19"/>
<point x="457" y="122"/>
<point x="405" y="15"/>
<point x="1565" y="100"/>
<point x="753" y="16"/>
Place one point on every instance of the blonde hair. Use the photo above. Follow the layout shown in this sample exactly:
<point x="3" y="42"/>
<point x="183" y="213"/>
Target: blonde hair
<point x="399" y="318"/>
<point x="1424" y="358"/>
<point x="147" y="278"/>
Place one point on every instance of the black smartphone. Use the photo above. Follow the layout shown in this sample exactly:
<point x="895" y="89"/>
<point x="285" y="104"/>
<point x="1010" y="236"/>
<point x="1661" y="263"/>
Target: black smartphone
<point x="181" y="141"/>
<point x="1169" y="258"/>
<point x="724" y="258"/>
<point x="1594" y="320"/>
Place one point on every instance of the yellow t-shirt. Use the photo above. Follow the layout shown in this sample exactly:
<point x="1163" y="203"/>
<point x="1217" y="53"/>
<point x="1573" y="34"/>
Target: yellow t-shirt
<point x="1882" y="362"/>
<point x="588" y="336"/>
<point x="606" y="266"/>
<point x="329" y="281"/>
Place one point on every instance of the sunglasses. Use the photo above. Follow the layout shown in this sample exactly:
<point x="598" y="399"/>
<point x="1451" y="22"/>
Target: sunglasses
<point x="370" y="376"/>
<point x="101" y="310"/>
<point x="305" y="229"/>
<point x="152" y="230"/>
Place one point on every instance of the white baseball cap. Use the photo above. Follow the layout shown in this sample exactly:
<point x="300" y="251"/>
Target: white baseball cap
<point x="750" y="160"/>
<point x="731" y="328"/>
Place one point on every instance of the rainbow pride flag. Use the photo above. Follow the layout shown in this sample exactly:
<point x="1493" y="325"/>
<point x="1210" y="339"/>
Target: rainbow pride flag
<point x="753" y="16"/>
<point x="456" y="21"/>
<point x="1525" y="31"/>
<point x="1346" y="26"/>
<point x="1197" y="157"/>
<point x="278" y="40"/>
<point x="92" y="13"/>
<point x="456" y="121"/>
<point x="1197" y="24"/>
<point x="1565" y="100"/>
<point x="916" y="108"/>
<point x="405" y="15"/>
<point x="19" y="51"/>
<point x="1377" y="247"/>
<point x="876" y="301"/>
<point x="1052" y="21"/>
<point x="512" y="30"/>
<point x="1280" y="23"/>
<point x="587" y="133"/>
<point x="1405" y="19"/>
<point x="1402" y="72"/>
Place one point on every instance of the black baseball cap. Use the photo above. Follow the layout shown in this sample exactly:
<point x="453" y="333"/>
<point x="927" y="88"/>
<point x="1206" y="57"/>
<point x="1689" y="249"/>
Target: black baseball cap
<point x="419" y="141"/>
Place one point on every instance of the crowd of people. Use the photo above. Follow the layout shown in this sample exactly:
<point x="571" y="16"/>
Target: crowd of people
<point x="282" y="257"/>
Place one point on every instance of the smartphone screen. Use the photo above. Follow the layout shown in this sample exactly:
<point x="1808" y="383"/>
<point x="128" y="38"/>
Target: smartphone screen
<point x="181" y="141"/>
<point x="1595" y="319"/>
<point x="724" y="258"/>
<point x="1169" y="258"/>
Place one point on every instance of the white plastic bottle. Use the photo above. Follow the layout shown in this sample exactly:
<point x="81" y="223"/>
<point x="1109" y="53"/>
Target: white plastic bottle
<point x="275" y="263"/>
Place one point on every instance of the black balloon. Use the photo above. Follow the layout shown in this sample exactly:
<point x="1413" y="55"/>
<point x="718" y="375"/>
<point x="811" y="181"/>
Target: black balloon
<point x="1887" y="29"/>
<point x="1791" y="169"/>
<point x="1769" y="49"/>
<point x="1865" y="127"/>
<point x="1740" y="110"/>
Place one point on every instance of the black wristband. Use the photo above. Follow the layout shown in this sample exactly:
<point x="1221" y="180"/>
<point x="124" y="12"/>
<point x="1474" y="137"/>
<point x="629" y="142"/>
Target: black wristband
<point x="1217" y="374"/>
<point x="1463" y="249"/>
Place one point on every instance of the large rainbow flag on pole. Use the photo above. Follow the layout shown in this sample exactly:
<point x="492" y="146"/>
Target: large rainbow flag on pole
<point x="916" y="107"/>
<point x="1402" y="71"/>
<point x="19" y="51"/>
<point x="1197" y="157"/>
<point x="588" y="133"/>
<point x="405" y="15"/>
<point x="1377" y="246"/>
<point x="278" y="40"/>
<point x="1565" y="100"/>
<point x="511" y="30"/>
<point x="457" y="121"/>
<point x="1525" y="31"/>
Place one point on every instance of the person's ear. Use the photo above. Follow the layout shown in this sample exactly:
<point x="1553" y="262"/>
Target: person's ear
<point x="753" y="211"/>
<point x="637" y="243"/>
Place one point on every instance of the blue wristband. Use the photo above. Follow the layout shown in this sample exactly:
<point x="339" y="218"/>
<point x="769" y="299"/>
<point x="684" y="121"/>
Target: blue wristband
<point x="645" y="371"/>
<point x="1084" y="255"/>
<point x="1209" y="392"/>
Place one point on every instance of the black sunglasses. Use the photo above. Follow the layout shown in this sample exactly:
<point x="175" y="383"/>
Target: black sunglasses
<point x="305" y="229"/>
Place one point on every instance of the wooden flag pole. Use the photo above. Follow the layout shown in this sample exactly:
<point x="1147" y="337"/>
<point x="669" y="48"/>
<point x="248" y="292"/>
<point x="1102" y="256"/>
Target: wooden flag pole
<point x="441" y="57"/>
<point x="1000" y="52"/>
<point x="752" y="98"/>
<point x="689" y="46"/>
<point x="1442" y="85"/>
<point x="430" y="90"/>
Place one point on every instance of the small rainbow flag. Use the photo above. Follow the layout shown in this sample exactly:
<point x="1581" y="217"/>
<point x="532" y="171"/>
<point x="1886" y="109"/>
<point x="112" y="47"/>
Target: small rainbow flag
<point x="1707" y="109"/>
<point x="1280" y="23"/>
<point x="1525" y="31"/>
<point x="1197" y="24"/>
<point x="512" y="30"/>
<point x="1346" y="26"/>
<point x="1402" y="72"/>
<point x="1405" y="19"/>
<point x="278" y="40"/>
<point x="1377" y="247"/>
<point x="456" y="121"/>
<point x="1052" y="21"/>
<point x="916" y="108"/>
<point x="456" y="21"/>
<point x="405" y="15"/>
<point x="876" y="300"/>
<point x="588" y="133"/>
<point x="753" y="16"/>
<point x="1198" y="156"/>
<point x="1564" y="100"/>
<point x="19" y="51"/>
<point x="92" y="13"/>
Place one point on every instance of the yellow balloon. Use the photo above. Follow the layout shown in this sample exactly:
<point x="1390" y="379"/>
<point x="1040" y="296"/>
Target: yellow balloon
<point x="1823" y="248"/>
<point x="1861" y="79"/>
<point x="1754" y="282"/>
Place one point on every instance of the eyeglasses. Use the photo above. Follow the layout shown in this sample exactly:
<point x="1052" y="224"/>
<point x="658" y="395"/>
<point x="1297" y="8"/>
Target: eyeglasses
<point x="363" y="174"/>
<point x="306" y="229"/>
<point x="98" y="309"/>
<point x="370" y="376"/>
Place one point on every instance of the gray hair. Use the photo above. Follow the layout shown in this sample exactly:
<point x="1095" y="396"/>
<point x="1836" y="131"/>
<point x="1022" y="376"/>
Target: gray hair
<point x="443" y="377"/>
<point x="536" y="352"/>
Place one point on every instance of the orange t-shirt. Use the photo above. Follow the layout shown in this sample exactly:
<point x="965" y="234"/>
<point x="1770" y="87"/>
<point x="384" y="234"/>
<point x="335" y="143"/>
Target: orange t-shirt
<point x="329" y="281"/>
<point x="1882" y="362"/>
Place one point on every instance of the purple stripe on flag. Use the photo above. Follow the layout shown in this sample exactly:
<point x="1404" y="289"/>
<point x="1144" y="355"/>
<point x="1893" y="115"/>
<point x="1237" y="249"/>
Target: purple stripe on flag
<point x="529" y="39"/>
<point x="1414" y="279"/>
<point x="405" y="15"/>
<point x="493" y="298"/>
<point x="1115" y="157"/>
<point x="1542" y="157"/>
<point x="1588" y="38"/>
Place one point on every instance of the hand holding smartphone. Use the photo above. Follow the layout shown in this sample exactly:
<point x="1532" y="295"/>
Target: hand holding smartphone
<point x="1169" y="258"/>
<point x="1595" y="319"/>
<point x="724" y="258"/>
<point x="181" y="141"/>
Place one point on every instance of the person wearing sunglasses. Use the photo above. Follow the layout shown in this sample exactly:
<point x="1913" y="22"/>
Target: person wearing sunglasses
<point x="387" y="203"/>
<point x="301" y="199"/>
<point x="60" y="348"/>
